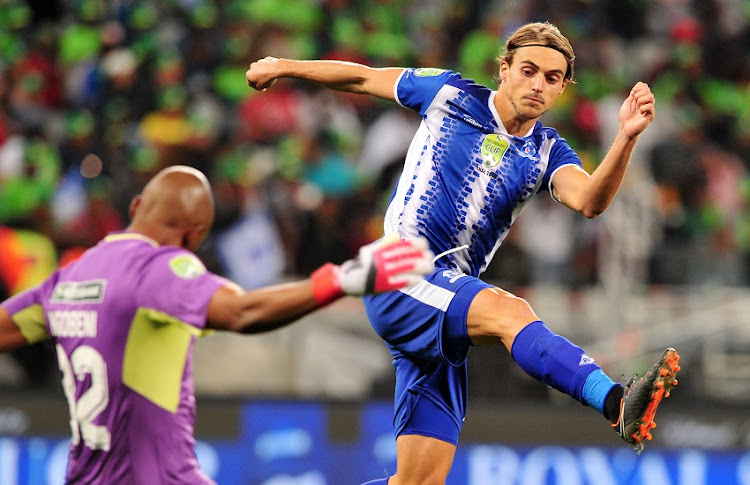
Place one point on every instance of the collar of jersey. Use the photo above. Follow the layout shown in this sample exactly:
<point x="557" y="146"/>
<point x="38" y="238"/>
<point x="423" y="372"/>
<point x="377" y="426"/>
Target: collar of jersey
<point x="123" y="236"/>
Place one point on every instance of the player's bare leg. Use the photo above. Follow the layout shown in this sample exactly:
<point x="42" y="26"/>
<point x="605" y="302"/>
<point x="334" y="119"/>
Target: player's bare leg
<point x="422" y="460"/>
<point x="496" y="316"/>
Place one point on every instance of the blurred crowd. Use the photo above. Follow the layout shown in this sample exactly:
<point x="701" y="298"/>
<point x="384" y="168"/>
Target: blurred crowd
<point x="97" y="95"/>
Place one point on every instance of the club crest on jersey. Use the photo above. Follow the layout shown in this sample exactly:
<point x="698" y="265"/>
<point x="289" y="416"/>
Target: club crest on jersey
<point x="493" y="149"/>
<point x="427" y="71"/>
<point x="528" y="150"/>
<point x="186" y="266"/>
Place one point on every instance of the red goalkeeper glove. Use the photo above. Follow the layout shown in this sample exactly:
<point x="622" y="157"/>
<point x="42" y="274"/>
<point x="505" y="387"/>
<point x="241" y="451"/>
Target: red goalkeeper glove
<point x="385" y="266"/>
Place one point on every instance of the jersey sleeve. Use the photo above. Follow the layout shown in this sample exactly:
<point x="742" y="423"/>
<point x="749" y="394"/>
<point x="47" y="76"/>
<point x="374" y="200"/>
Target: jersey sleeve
<point x="416" y="88"/>
<point x="25" y="309"/>
<point x="561" y="155"/>
<point x="177" y="284"/>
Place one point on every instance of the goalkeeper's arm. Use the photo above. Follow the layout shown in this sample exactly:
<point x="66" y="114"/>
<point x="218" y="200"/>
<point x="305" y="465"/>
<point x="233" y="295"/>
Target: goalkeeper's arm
<point x="385" y="266"/>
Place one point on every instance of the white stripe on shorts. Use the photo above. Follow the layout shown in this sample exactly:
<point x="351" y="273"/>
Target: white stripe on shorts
<point x="429" y="294"/>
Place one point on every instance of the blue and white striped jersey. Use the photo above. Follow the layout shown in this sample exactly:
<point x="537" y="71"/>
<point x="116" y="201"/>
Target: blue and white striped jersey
<point x="465" y="179"/>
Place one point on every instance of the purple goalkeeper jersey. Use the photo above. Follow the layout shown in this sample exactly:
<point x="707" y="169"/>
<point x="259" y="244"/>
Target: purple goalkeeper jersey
<point x="124" y="318"/>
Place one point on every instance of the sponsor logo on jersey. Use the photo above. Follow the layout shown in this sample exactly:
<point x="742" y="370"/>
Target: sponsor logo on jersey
<point x="585" y="360"/>
<point x="493" y="149"/>
<point x="428" y="71"/>
<point x="472" y="121"/>
<point x="79" y="292"/>
<point x="186" y="266"/>
<point x="452" y="275"/>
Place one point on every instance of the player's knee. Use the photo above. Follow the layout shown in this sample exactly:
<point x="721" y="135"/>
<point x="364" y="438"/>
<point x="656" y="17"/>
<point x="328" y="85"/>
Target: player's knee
<point x="517" y="313"/>
<point x="496" y="316"/>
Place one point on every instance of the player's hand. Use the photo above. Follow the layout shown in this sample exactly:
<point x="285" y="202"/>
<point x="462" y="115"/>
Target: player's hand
<point x="388" y="265"/>
<point x="638" y="110"/>
<point x="261" y="74"/>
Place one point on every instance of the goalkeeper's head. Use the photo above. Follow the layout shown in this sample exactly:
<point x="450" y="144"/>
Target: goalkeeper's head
<point x="175" y="208"/>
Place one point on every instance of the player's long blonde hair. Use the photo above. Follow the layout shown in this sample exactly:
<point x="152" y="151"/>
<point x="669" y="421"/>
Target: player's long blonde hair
<point x="539" y="33"/>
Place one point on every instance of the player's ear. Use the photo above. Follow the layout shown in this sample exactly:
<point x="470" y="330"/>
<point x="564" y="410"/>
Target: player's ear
<point x="193" y="238"/>
<point x="134" y="206"/>
<point x="503" y="72"/>
<point x="564" y="83"/>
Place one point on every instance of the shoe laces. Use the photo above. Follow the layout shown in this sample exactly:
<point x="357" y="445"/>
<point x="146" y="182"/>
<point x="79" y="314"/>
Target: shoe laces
<point x="633" y="379"/>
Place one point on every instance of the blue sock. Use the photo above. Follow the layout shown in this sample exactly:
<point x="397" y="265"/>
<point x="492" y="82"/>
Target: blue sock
<point x="379" y="481"/>
<point x="560" y="364"/>
<point x="596" y="389"/>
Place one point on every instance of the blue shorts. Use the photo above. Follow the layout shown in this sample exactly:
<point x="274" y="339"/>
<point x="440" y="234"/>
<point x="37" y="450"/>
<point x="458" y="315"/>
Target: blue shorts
<point x="424" y="327"/>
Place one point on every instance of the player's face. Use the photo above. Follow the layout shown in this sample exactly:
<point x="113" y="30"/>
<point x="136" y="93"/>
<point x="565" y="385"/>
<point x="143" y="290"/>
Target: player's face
<point x="534" y="81"/>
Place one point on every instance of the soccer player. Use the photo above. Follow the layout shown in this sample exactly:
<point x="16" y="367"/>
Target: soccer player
<point x="125" y="315"/>
<point x="476" y="159"/>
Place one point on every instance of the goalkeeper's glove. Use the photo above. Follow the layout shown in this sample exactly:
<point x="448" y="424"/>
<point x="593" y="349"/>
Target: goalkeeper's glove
<point x="387" y="265"/>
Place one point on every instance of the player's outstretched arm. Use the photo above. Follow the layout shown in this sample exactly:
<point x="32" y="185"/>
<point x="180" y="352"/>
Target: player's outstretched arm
<point x="592" y="195"/>
<point x="385" y="266"/>
<point x="10" y="335"/>
<point x="338" y="75"/>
